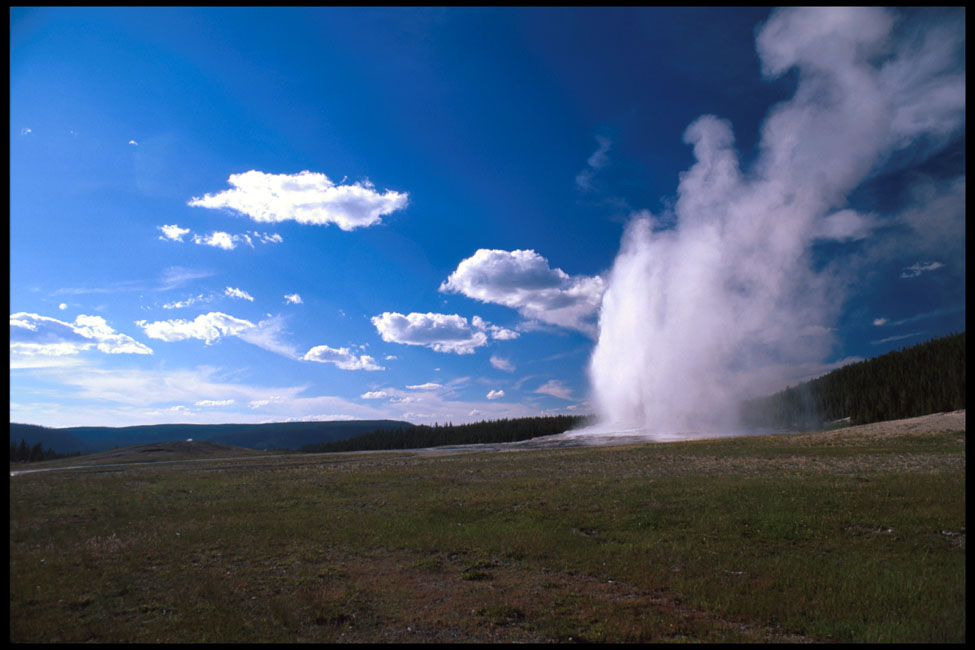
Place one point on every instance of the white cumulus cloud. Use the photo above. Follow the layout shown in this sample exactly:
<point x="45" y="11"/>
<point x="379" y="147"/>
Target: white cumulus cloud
<point x="306" y="197"/>
<point x="523" y="280"/>
<point x="374" y="394"/>
<point x="218" y="239"/>
<point x="292" y="298"/>
<point x="439" y="332"/>
<point x="496" y="331"/>
<point x="495" y="394"/>
<point x="208" y="328"/>
<point x="172" y="232"/>
<point x="211" y="327"/>
<point x="342" y="358"/>
<point x="32" y="334"/>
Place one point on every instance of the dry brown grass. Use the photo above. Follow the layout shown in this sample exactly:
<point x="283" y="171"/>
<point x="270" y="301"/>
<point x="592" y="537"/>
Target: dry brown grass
<point x="923" y="426"/>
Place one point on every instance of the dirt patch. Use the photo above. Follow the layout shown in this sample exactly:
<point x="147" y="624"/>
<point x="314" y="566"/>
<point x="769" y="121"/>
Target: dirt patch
<point x="508" y="603"/>
<point x="925" y="425"/>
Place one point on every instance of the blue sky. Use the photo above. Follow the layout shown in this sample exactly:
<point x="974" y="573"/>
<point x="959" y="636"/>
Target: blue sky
<point x="251" y="215"/>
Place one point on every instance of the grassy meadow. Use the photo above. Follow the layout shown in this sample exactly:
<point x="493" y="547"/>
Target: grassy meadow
<point x="776" y="538"/>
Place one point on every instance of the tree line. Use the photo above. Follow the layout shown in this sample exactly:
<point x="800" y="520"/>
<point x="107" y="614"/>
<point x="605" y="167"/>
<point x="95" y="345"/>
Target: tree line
<point x="420" y="436"/>
<point x="918" y="380"/>
<point x="23" y="454"/>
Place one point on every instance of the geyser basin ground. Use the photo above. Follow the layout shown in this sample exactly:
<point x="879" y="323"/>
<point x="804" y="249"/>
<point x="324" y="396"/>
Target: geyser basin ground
<point x="585" y="438"/>
<point x="707" y="541"/>
<point x="590" y="437"/>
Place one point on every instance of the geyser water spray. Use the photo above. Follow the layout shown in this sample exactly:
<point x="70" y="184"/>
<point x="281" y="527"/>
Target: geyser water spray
<point x="721" y="297"/>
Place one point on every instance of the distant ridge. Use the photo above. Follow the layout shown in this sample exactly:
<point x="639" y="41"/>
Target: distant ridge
<point x="271" y="435"/>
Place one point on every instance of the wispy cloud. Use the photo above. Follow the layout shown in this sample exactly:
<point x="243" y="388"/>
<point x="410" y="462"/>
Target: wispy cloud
<point x="240" y="294"/>
<point x="427" y="386"/>
<point x="502" y="364"/>
<point x="896" y="338"/>
<point x="179" y="304"/>
<point x="555" y="388"/>
<point x="211" y="327"/>
<point x="267" y="334"/>
<point x="140" y="396"/>
<point x="923" y="316"/>
<point x="917" y="269"/>
<point x="845" y="225"/>
<point x="176" y="276"/>
<point x="154" y="388"/>
<point x="595" y="162"/>
<point x="214" y="402"/>
<point x="265" y="238"/>
<point x="172" y="277"/>
<point x="305" y="197"/>
<point x="444" y="403"/>
<point x="219" y="239"/>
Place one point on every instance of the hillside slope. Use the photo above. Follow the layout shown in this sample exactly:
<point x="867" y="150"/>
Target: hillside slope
<point x="921" y="379"/>
<point x="273" y="435"/>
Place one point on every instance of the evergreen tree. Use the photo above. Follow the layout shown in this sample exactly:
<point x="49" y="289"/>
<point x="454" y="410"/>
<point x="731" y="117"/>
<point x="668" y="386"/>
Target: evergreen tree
<point x="926" y="378"/>
<point x="438" y="435"/>
<point x="23" y="452"/>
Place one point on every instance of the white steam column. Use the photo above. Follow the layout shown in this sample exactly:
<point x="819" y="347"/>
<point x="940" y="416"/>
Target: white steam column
<point x="719" y="300"/>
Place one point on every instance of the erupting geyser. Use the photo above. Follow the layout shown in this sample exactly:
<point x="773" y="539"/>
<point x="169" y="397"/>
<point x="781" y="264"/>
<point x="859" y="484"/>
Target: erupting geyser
<point x="712" y="301"/>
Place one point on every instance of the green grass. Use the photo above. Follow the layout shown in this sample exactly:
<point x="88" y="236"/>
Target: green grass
<point x="747" y="539"/>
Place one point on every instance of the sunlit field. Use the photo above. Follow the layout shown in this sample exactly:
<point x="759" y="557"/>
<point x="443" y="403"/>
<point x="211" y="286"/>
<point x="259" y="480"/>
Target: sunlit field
<point x="812" y="537"/>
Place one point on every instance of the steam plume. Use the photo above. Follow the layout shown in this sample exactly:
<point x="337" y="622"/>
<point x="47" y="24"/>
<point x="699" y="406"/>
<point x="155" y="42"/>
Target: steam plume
<point x="708" y="302"/>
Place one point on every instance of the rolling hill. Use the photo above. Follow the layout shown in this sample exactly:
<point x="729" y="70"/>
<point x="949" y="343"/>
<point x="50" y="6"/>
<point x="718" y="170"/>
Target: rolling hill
<point x="273" y="435"/>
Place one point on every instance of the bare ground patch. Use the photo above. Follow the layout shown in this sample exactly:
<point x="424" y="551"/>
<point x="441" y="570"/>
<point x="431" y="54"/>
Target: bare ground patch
<point x="925" y="425"/>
